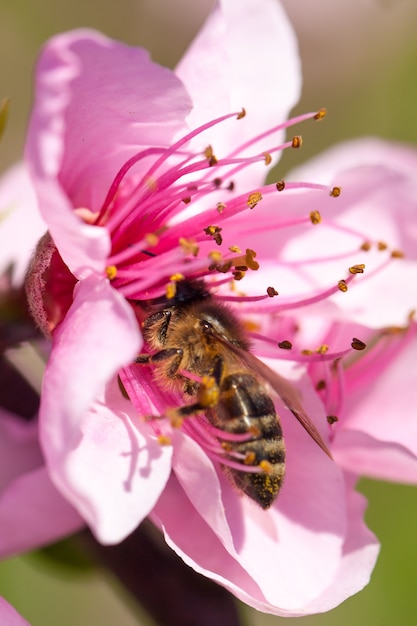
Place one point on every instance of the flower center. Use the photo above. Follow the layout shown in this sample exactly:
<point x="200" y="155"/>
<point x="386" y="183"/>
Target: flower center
<point x="185" y="220"/>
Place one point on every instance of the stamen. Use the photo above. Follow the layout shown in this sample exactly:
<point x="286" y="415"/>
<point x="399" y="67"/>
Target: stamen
<point x="271" y="291"/>
<point x="397" y="254"/>
<point x="357" y="344"/>
<point x="111" y="272"/>
<point x="332" y="419"/>
<point x="320" y="114"/>
<point x="315" y="217"/>
<point x="253" y="199"/>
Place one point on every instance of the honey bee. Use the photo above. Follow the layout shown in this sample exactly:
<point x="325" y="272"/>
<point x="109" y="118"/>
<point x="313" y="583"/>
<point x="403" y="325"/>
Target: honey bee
<point x="193" y="334"/>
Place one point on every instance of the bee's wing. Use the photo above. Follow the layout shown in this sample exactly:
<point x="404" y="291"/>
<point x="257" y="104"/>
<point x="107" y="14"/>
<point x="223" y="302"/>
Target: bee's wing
<point x="286" y="391"/>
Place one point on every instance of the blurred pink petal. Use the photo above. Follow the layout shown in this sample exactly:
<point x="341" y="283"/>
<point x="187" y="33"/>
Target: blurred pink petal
<point x="378" y="431"/>
<point x="223" y="71"/>
<point x="27" y="493"/>
<point x="9" y="616"/>
<point x="20" y="223"/>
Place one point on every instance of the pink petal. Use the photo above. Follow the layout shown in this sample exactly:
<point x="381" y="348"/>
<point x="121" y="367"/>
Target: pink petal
<point x="99" y="335"/>
<point x="364" y="151"/>
<point x="188" y="456"/>
<point x="360" y="552"/>
<point x="117" y="472"/>
<point x="20" y="223"/>
<point x="90" y="444"/>
<point x="191" y="537"/>
<point x="378" y="433"/>
<point x="33" y="513"/>
<point x="9" y="616"/>
<point x="26" y="492"/>
<point x="194" y="541"/>
<point x="89" y="117"/>
<point x="92" y="113"/>
<point x="19" y="447"/>
<point x="243" y="57"/>
<point x="378" y="201"/>
<point x="373" y="457"/>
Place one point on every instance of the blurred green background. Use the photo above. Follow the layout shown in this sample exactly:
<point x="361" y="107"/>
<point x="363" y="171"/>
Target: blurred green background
<point x="360" y="61"/>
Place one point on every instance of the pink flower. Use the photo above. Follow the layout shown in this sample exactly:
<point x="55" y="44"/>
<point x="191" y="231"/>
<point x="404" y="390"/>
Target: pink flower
<point x="373" y="391"/>
<point x="26" y="491"/>
<point x="21" y="226"/>
<point x="134" y="200"/>
<point x="10" y="617"/>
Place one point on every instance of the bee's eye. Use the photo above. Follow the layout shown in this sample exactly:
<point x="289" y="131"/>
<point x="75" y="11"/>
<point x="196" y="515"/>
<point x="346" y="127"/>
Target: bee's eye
<point x="206" y="326"/>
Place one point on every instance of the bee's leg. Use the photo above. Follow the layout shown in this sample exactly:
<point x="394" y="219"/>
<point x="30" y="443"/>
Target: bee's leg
<point x="174" y="355"/>
<point x="207" y="394"/>
<point x="158" y="323"/>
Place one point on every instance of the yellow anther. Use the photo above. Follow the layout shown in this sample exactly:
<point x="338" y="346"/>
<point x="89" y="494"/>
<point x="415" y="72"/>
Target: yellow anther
<point x="209" y="154"/>
<point x="297" y="141"/>
<point x="307" y="352"/>
<point x="381" y="245"/>
<point x="175" y="419"/>
<point x="342" y="286"/>
<point x="280" y="185"/>
<point x="242" y="114"/>
<point x="250" y="458"/>
<point x="214" y="231"/>
<point x="320" y="114"/>
<point x="268" y="158"/>
<point x="315" y="217"/>
<point x="235" y="249"/>
<point x="111" y="272"/>
<point x="171" y="290"/>
<point x="253" y="199"/>
<point x="357" y="269"/>
<point x="251" y="326"/>
<point x="335" y="192"/>
<point x="164" y="440"/>
<point x="215" y="256"/>
<point x="397" y="254"/>
<point x="366" y="246"/>
<point x="208" y="393"/>
<point x="249" y="259"/>
<point x="322" y="349"/>
<point x="266" y="467"/>
<point x="151" y="239"/>
<point x="177" y="277"/>
<point x="188" y="246"/>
